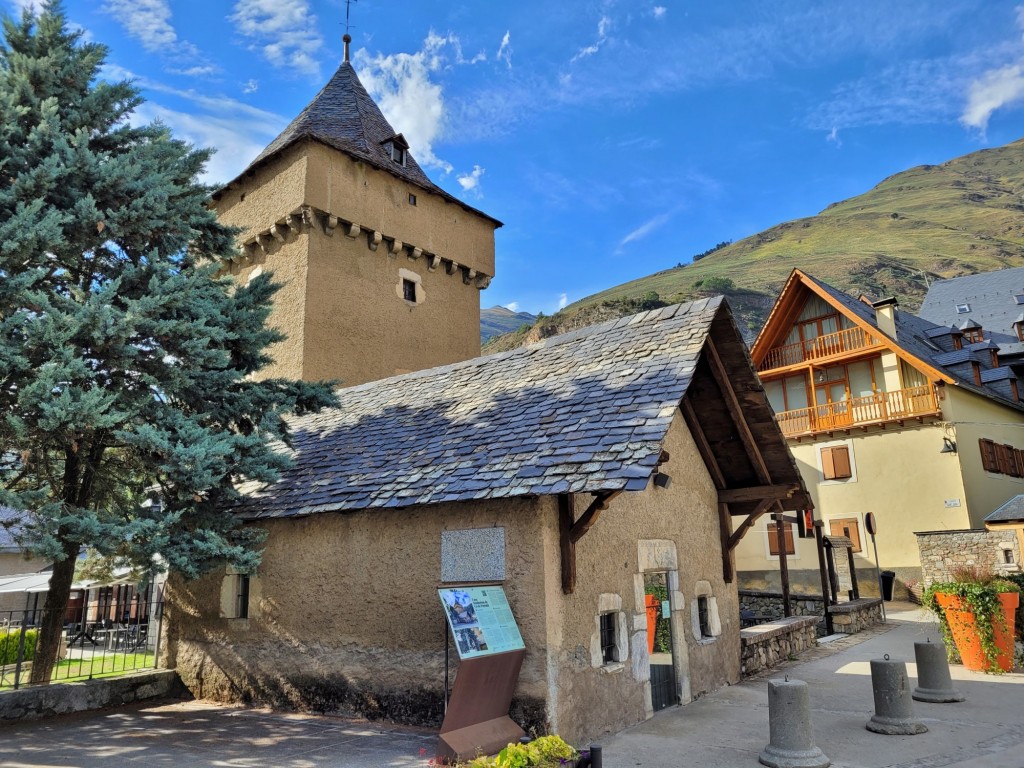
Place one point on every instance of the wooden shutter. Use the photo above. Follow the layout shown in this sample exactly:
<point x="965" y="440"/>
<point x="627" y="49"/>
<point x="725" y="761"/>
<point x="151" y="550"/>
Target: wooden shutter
<point x="1004" y="459"/>
<point x="773" y="539"/>
<point x="988" y="455"/>
<point x="1012" y="468"/>
<point x="848" y="527"/>
<point x="835" y="463"/>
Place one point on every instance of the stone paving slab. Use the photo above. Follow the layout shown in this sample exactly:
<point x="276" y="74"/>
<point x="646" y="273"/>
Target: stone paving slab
<point x="206" y="735"/>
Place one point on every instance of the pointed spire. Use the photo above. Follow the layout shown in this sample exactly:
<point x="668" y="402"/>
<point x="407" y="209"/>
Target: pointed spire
<point x="346" y="39"/>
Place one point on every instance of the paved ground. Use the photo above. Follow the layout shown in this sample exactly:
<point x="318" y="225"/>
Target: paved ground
<point x="727" y="728"/>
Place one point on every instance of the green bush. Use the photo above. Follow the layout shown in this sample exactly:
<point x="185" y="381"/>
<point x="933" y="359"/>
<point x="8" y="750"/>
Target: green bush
<point x="543" y="752"/>
<point x="9" y="640"/>
<point x="715" y="285"/>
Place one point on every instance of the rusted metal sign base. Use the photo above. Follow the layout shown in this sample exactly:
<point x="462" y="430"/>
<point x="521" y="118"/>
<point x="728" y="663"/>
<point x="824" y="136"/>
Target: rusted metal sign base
<point x="477" y="720"/>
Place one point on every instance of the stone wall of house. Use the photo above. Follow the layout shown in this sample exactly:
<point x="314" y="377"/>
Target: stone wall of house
<point x="943" y="552"/>
<point x="768" y="645"/>
<point x="62" y="698"/>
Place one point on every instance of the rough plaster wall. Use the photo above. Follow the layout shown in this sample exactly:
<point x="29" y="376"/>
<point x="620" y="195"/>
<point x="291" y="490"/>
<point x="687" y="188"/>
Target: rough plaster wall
<point x="263" y="199"/>
<point x="372" y="198"/>
<point x="345" y="615"/>
<point x="591" y="701"/>
<point x="358" y="327"/>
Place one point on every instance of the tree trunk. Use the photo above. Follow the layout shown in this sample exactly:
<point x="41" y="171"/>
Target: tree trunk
<point x="48" y="644"/>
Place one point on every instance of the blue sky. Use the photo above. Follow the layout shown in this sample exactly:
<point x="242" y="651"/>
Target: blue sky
<point x="614" y="138"/>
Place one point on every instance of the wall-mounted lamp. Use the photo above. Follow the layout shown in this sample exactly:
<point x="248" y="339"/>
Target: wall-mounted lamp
<point x="948" y="446"/>
<point x="662" y="480"/>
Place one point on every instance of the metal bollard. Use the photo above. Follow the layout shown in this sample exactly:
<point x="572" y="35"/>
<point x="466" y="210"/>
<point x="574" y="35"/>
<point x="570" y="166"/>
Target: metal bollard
<point x="596" y="760"/>
<point x="789" y="724"/>
<point x="933" y="681"/>
<point x="894" y="711"/>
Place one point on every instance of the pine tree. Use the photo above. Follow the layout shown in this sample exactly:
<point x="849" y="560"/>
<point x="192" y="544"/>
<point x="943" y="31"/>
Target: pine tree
<point x="126" y="359"/>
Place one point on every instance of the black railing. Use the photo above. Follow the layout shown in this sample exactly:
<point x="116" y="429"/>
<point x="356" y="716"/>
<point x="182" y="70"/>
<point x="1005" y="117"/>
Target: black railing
<point x="96" y="642"/>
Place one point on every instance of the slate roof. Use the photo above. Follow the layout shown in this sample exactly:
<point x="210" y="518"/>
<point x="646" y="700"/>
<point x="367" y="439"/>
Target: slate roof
<point x="586" y="411"/>
<point x="343" y="116"/>
<point x="1011" y="511"/>
<point x="990" y="296"/>
<point x="8" y="517"/>
<point x="913" y="334"/>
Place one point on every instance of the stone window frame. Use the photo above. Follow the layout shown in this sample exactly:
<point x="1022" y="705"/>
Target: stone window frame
<point x="703" y="589"/>
<point x="610" y="604"/>
<point x="413" y="277"/>
<point x="848" y="444"/>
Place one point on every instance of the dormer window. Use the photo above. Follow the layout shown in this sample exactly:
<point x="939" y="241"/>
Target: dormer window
<point x="398" y="154"/>
<point x="398" y="148"/>
<point x="974" y="335"/>
<point x="963" y="309"/>
<point x="1018" y="298"/>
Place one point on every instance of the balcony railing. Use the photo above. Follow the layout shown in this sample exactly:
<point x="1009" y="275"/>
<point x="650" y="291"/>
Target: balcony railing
<point x="871" y="409"/>
<point x="828" y="345"/>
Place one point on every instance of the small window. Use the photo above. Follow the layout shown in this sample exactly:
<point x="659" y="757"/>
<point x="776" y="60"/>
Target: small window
<point x="963" y="309"/>
<point x="409" y="290"/>
<point x="608" y="644"/>
<point x="773" y="539"/>
<point x="704" y="617"/>
<point x="835" y="463"/>
<point x="397" y="154"/>
<point x="848" y="527"/>
<point x="974" y="335"/>
<point x="1008" y="556"/>
<point x="242" y="596"/>
<point x="1018" y="298"/>
<point x="989" y="462"/>
<point x="412" y="199"/>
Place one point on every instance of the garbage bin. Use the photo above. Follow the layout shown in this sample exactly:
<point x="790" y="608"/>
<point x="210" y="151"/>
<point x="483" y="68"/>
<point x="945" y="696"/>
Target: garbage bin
<point x="888" y="579"/>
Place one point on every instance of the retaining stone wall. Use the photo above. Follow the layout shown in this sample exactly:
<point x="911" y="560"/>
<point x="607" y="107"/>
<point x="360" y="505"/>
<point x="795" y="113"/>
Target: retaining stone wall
<point x="767" y="645"/>
<point x="856" y="615"/>
<point x="945" y="551"/>
<point x="769" y="604"/>
<point x="61" y="698"/>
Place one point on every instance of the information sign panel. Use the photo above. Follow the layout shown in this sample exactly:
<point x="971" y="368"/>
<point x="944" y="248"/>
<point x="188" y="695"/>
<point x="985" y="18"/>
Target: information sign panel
<point x="481" y="620"/>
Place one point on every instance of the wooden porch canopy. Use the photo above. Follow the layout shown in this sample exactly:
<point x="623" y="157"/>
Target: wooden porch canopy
<point x="743" y="448"/>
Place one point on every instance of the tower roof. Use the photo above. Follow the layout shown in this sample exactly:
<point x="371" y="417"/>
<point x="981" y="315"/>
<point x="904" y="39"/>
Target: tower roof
<point x="345" y="117"/>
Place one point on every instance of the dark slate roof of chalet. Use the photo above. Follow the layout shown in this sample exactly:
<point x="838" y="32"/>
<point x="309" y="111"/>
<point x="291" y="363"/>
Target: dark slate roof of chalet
<point x="1011" y="511"/>
<point x="343" y="116"/>
<point x="997" y="374"/>
<point x="583" y="412"/>
<point x="912" y="335"/>
<point x="990" y="296"/>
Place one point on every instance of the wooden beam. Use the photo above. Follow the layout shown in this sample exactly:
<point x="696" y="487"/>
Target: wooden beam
<point x="566" y="545"/>
<point x="757" y="493"/>
<point x="747" y="524"/>
<point x="732" y="403"/>
<point x="703" y="446"/>
<point x="588" y="518"/>
<point x="778" y="517"/>
<point x="725" y="534"/>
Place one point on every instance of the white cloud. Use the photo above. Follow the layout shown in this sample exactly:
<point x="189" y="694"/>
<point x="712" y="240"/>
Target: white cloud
<point x="563" y="300"/>
<point x="833" y="136"/>
<point x="26" y="5"/>
<point x="646" y="228"/>
<point x="200" y="70"/>
<point x="251" y="86"/>
<point x="402" y="86"/>
<point x="603" y="25"/>
<point x="505" y="50"/>
<point x="286" y="33"/>
<point x="512" y="306"/>
<point x="659" y="11"/>
<point x="470" y="182"/>
<point x="995" y="89"/>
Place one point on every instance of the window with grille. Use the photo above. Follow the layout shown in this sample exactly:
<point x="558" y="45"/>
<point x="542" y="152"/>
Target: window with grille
<point x="704" y="617"/>
<point x="242" y="596"/>
<point x="835" y="463"/>
<point x="608" y="644"/>
<point x="409" y="290"/>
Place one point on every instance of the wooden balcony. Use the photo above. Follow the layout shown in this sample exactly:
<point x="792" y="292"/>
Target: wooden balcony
<point x="860" y="411"/>
<point x="830" y="345"/>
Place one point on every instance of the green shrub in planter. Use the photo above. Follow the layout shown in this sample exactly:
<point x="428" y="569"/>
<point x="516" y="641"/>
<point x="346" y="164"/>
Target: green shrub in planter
<point x="542" y="752"/>
<point x="9" y="640"/>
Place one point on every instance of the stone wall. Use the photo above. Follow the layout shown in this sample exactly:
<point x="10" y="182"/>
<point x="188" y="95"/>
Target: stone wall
<point x="769" y="604"/>
<point x="856" y="615"/>
<point x="767" y="645"/>
<point x="61" y="698"/>
<point x="943" y="552"/>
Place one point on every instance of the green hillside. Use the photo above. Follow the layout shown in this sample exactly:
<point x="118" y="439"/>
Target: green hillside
<point x="934" y="221"/>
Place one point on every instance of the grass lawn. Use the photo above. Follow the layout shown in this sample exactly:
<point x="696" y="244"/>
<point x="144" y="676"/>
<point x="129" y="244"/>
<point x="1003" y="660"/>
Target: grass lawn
<point x="69" y="670"/>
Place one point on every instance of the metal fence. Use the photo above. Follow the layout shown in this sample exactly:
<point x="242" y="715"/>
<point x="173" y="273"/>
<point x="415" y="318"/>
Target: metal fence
<point x="100" y="639"/>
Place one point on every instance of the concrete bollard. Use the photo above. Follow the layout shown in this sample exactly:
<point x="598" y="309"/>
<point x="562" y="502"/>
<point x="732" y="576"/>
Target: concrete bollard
<point x="933" y="681"/>
<point x="894" y="711"/>
<point x="791" y="744"/>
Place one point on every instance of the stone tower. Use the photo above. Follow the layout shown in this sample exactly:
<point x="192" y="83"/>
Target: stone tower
<point x="381" y="268"/>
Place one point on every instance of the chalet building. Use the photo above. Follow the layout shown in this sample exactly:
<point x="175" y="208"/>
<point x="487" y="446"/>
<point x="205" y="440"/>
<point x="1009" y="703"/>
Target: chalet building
<point x="14" y="562"/>
<point x="885" y="412"/>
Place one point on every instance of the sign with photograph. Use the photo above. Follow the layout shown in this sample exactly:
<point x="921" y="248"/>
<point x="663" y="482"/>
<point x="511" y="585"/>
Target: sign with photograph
<point x="481" y="620"/>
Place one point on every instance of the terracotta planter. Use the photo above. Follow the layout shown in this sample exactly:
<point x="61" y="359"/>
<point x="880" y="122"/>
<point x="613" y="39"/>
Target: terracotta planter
<point x="653" y="606"/>
<point x="965" y="632"/>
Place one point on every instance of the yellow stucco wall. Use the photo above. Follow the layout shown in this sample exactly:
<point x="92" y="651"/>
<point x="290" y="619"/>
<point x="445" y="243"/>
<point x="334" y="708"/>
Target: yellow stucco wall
<point x="972" y="418"/>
